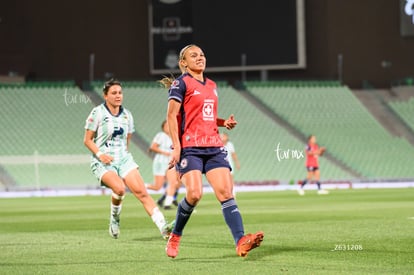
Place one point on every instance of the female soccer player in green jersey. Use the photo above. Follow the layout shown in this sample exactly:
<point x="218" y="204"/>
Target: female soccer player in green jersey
<point x="108" y="131"/>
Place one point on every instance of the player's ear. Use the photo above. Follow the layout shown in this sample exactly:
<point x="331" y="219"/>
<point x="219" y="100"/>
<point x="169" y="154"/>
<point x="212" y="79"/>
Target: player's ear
<point x="183" y="64"/>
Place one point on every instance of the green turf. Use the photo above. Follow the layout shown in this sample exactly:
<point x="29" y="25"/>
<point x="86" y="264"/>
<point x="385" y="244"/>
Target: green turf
<point x="345" y="232"/>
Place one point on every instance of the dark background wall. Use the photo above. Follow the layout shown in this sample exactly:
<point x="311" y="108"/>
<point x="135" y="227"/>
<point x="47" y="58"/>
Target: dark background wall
<point x="53" y="40"/>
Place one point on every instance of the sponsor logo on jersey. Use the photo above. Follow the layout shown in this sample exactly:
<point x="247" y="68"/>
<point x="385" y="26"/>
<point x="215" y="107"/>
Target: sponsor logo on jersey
<point x="208" y="110"/>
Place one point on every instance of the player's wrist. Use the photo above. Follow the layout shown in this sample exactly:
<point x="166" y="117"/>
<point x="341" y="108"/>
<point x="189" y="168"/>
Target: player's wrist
<point x="98" y="154"/>
<point x="221" y="122"/>
<point x="176" y="146"/>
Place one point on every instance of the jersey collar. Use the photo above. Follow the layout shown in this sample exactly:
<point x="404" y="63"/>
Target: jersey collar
<point x="121" y="109"/>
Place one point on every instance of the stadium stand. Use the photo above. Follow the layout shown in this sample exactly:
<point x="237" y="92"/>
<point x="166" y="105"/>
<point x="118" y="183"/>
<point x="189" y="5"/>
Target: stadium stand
<point x="42" y="120"/>
<point x="405" y="110"/>
<point x="343" y="125"/>
<point x="42" y="141"/>
<point x="257" y="139"/>
<point x="44" y="125"/>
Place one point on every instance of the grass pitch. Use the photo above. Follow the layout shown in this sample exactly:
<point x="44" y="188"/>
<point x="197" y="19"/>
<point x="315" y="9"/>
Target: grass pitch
<point x="346" y="232"/>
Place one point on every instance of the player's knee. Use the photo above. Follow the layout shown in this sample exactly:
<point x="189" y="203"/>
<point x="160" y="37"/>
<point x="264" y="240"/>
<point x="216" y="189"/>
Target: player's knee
<point x="224" y="194"/>
<point x="194" y="196"/>
<point x="118" y="196"/>
<point x="118" y="191"/>
<point x="227" y="195"/>
<point x="140" y="193"/>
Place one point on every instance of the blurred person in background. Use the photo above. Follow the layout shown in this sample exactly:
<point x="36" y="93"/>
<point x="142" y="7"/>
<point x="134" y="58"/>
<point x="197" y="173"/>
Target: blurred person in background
<point x="161" y="146"/>
<point x="231" y="156"/>
<point x="312" y="151"/>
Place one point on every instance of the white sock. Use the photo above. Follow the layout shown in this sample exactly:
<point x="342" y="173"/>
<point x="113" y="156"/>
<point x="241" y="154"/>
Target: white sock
<point x="116" y="209"/>
<point x="158" y="218"/>
<point x="168" y="200"/>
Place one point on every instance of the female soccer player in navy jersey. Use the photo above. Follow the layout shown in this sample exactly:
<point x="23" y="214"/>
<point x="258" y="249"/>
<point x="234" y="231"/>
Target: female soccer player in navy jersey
<point x="312" y="151"/>
<point x="198" y="149"/>
<point x="108" y="131"/>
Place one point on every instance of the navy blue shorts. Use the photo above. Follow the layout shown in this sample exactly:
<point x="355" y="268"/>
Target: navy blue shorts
<point x="203" y="159"/>
<point x="312" y="168"/>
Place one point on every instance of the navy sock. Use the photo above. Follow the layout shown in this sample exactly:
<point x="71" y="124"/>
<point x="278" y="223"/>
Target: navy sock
<point x="233" y="218"/>
<point x="161" y="200"/>
<point x="183" y="215"/>
<point x="319" y="185"/>
<point x="303" y="183"/>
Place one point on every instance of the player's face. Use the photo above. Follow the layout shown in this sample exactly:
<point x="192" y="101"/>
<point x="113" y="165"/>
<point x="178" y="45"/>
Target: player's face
<point x="194" y="59"/>
<point x="312" y="140"/>
<point x="165" y="128"/>
<point x="114" y="96"/>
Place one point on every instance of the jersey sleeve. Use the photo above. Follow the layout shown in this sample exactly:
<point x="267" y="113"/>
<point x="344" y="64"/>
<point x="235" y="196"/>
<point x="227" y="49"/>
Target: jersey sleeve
<point x="177" y="90"/>
<point x="157" y="139"/>
<point x="230" y="147"/>
<point x="131" y="126"/>
<point x="93" y="120"/>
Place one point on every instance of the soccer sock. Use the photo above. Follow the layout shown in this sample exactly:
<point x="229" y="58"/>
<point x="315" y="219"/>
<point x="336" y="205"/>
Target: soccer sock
<point x="233" y="218"/>
<point x="176" y="194"/>
<point x="161" y="200"/>
<point x="116" y="210"/>
<point x="303" y="183"/>
<point x="319" y="185"/>
<point x="168" y="200"/>
<point x="183" y="215"/>
<point x="158" y="218"/>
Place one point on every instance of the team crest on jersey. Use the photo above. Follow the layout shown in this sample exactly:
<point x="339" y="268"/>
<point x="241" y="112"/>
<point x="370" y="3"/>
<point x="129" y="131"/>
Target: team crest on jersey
<point x="208" y="110"/>
<point x="175" y="84"/>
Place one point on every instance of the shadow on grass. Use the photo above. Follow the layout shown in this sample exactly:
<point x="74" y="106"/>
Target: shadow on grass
<point x="264" y="251"/>
<point x="148" y="239"/>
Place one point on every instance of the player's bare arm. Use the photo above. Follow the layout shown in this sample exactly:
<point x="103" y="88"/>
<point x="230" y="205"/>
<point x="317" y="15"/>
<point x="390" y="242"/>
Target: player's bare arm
<point x="172" y="112"/>
<point x="90" y="144"/>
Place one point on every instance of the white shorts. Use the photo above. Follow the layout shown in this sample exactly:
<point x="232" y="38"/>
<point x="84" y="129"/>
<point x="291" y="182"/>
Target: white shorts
<point x="121" y="168"/>
<point x="159" y="168"/>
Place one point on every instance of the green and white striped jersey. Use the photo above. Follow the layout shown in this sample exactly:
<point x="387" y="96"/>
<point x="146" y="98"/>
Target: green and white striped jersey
<point x="111" y="131"/>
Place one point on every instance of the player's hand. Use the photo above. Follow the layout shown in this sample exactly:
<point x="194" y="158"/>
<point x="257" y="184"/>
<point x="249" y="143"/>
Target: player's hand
<point x="322" y="151"/>
<point x="174" y="156"/>
<point x="230" y="123"/>
<point x="106" y="159"/>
